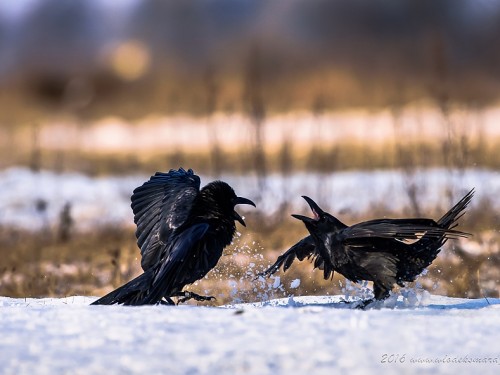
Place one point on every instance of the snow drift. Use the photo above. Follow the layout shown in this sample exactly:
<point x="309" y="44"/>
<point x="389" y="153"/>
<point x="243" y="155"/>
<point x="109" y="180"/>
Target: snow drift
<point x="297" y="335"/>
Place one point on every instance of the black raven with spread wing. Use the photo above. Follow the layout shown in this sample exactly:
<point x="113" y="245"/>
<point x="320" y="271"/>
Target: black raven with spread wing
<point x="181" y="231"/>
<point x="385" y="251"/>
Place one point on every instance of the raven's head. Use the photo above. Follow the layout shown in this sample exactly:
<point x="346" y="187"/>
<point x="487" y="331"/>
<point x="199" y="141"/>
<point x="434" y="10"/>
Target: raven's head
<point x="312" y="224"/>
<point x="322" y="227"/>
<point x="223" y="198"/>
<point x="321" y="222"/>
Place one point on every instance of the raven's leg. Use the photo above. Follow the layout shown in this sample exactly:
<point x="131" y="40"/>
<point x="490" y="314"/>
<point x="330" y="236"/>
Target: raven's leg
<point x="186" y="296"/>
<point x="381" y="291"/>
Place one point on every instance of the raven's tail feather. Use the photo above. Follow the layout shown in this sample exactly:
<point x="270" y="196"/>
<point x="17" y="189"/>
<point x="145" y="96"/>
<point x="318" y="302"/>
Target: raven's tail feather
<point x="131" y="293"/>
<point x="422" y="253"/>
<point x="449" y="219"/>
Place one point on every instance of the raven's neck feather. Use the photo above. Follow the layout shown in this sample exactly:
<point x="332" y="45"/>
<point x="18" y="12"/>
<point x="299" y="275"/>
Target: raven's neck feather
<point x="207" y="209"/>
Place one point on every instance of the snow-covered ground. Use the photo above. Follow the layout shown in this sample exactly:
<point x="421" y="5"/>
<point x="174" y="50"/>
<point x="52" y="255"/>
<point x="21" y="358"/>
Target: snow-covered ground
<point x="299" y="335"/>
<point x="34" y="200"/>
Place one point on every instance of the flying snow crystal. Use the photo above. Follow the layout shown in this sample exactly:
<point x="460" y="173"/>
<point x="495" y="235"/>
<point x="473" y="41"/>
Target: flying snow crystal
<point x="295" y="283"/>
<point x="277" y="282"/>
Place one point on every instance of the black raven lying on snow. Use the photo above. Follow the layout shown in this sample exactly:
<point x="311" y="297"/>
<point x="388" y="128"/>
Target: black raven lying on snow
<point x="181" y="231"/>
<point x="385" y="251"/>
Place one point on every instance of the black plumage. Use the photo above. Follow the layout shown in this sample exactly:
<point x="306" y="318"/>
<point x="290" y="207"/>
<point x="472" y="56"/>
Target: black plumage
<point x="385" y="251"/>
<point x="181" y="231"/>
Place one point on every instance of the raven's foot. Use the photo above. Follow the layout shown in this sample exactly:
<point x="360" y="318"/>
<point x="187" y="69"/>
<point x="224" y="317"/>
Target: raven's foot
<point x="186" y="296"/>
<point x="363" y="305"/>
<point x="343" y="300"/>
<point x="167" y="301"/>
<point x="356" y="304"/>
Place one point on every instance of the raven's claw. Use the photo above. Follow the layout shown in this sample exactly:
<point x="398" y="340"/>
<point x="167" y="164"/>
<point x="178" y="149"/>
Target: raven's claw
<point x="186" y="296"/>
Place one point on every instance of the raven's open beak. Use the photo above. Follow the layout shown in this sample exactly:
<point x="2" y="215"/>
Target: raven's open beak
<point x="305" y="219"/>
<point x="236" y="216"/>
<point x="317" y="212"/>
<point x="241" y="200"/>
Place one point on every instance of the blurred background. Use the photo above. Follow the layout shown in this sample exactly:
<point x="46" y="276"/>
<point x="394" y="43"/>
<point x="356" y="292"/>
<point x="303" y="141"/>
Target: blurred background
<point x="372" y="108"/>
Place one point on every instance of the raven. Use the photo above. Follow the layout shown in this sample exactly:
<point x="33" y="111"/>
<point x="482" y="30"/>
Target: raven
<point x="385" y="251"/>
<point x="181" y="231"/>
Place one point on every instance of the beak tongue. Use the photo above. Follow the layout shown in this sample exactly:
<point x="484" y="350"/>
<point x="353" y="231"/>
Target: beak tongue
<point x="314" y="207"/>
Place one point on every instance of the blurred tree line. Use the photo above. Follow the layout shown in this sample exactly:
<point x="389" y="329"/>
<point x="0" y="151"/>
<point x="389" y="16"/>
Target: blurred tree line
<point x="133" y="58"/>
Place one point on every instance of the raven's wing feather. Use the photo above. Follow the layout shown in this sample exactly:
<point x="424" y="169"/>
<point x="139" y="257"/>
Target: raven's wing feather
<point x="172" y="269"/>
<point x="398" y="229"/>
<point x="161" y="205"/>
<point x="303" y="249"/>
<point x="129" y="293"/>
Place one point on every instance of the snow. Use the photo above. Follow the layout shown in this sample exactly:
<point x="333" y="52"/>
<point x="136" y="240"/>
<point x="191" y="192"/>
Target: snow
<point x="296" y="335"/>
<point x="97" y="201"/>
<point x="295" y="283"/>
<point x="277" y="282"/>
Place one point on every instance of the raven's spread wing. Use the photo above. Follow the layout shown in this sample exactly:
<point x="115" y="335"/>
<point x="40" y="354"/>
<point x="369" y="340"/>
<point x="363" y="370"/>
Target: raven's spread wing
<point x="377" y="243"/>
<point x="303" y="249"/>
<point x="161" y="205"/>
<point x="397" y="229"/>
<point x="172" y="270"/>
